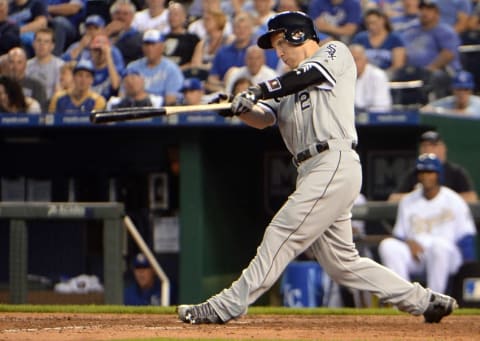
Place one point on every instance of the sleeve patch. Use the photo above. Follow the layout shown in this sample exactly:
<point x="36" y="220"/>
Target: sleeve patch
<point x="273" y="85"/>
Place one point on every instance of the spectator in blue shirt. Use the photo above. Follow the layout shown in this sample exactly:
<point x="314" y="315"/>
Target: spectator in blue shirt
<point x="462" y="102"/>
<point x="121" y="32"/>
<point x="162" y="76"/>
<point x="94" y="25"/>
<point x="455" y="13"/>
<point x="408" y="18"/>
<point x="65" y="18"/>
<point x="232" y="54"/>
<point x="337" y="18"/>
<point x="392" y="8"/>
<point x="146" y="288"/>
<point x="81" y="99"/>
<point x="433" y="46"/>
<point x="384" y="48"/>
<point x="107" y="74"/>
<point x="30" y="15"/>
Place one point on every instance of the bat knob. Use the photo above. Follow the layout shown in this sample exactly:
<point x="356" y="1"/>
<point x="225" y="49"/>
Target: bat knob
<point x="93" y="116"/>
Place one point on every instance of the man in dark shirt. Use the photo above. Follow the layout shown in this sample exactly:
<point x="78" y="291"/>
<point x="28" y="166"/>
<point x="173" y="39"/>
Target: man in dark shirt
<point x="9" y="32"/>
<point x="30" y="16"/>
<point x="454" y="177"/>
<point x="65" y="17"/>
<point x="17" y="66"/>
<point x="179" y="43"/>
<point x="146" y="288"/>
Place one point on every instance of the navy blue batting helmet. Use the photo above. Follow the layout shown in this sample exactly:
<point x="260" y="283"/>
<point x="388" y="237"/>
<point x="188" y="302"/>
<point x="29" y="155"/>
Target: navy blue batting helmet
<point x="429" y="162"/>
<point x="296" y="25"/>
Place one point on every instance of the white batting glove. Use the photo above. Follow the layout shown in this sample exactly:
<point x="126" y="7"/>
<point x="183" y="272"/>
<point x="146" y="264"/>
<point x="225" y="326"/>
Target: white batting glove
<point x="245" y="101"/>
<point x="241" y="104"/>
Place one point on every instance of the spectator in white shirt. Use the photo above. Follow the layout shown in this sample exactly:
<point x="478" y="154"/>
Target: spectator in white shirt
<point x="199" y="27"/>
<point x="155" y="16"/>
<point x="372" y="93"/>
<point x="255" y="69"/>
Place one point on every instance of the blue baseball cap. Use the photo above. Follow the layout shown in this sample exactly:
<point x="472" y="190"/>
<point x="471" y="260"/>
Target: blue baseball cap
<point x="95" y="20"/>
<point x="140" y="261"/>
<point x="192" y="84"/>
<point x="431" y="136"/>
<point x="428" y="162"/>
<point x="153" y="36"/>
<point x="463" y="80"/>
<point x="84" y="64"/>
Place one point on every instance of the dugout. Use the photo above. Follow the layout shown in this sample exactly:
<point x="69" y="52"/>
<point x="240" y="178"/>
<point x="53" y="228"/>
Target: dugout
<point x="232" y="180"/>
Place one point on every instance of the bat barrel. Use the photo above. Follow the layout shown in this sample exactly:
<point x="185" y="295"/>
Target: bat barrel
<point x="125" y="114"/>
<point x="135" y="113"/>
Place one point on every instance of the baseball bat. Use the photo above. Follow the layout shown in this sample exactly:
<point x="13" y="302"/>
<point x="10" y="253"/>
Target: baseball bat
<point x="136" y="113"/>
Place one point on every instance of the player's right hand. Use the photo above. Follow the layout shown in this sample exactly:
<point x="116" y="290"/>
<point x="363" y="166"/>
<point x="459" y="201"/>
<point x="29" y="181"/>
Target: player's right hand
<point x="242" y="103"/>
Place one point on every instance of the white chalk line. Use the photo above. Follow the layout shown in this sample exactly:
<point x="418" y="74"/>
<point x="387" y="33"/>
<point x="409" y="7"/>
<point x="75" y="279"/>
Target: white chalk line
<point x="23" y="330"/>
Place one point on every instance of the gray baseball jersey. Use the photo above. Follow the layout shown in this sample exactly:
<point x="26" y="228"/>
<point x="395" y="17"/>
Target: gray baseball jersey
<point x="321" y="112"/>
<point x="317" y="215"/>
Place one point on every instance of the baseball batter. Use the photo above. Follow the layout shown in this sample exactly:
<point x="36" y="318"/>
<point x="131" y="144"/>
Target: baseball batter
<point x="313" y="106"/>
<point x="434" y="231"/>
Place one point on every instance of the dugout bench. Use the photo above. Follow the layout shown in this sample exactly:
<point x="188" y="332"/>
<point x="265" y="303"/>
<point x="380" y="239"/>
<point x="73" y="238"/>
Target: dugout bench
<point x="18" y="213"/>
<point x="386" y="211"/>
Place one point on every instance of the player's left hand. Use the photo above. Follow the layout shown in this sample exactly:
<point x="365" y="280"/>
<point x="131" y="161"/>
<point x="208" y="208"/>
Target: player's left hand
<point x="245" y="100"/>
<point x="221" y="98"/>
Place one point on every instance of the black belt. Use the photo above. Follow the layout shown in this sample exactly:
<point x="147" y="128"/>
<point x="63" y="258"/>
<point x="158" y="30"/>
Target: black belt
<point x="321" y="147"/>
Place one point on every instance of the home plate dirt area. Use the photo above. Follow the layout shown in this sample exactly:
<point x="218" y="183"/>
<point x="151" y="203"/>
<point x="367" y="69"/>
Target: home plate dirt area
<point x="67" y="326"/>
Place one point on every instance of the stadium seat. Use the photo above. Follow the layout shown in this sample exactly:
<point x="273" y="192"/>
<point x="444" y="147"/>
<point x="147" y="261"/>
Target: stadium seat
<point x="100" y="7"/>
<point x="409" y="88"/>
<point x="196" y="72"/>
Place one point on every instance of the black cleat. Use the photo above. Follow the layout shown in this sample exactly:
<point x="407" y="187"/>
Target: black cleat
<point x="198" y="314"/>
<point x="439" y="306"/>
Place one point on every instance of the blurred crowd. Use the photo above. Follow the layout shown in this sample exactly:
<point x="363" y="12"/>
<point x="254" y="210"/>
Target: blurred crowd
<point x="74" y="56"/>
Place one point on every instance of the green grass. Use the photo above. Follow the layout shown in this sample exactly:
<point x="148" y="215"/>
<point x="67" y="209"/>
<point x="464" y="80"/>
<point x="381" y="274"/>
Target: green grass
<point x="119" y="309"/>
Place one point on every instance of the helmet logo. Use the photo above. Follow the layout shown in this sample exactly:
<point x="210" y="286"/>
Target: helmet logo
<point x="297" y="36"/>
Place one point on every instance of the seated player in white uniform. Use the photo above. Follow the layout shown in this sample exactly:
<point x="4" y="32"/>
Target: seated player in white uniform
<point x="434" y="231"/>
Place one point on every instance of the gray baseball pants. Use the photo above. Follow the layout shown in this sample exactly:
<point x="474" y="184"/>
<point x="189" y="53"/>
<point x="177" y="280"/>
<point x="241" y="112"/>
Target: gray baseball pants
<point x="317" y="215"/>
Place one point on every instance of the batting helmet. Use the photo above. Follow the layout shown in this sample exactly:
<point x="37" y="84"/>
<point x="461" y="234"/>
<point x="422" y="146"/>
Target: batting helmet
<point x="429" y="162"/>
<point x="297" y="27"/>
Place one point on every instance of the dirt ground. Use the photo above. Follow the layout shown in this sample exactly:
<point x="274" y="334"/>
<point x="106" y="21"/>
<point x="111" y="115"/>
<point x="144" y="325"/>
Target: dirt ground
<point x="65" y="327"/>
